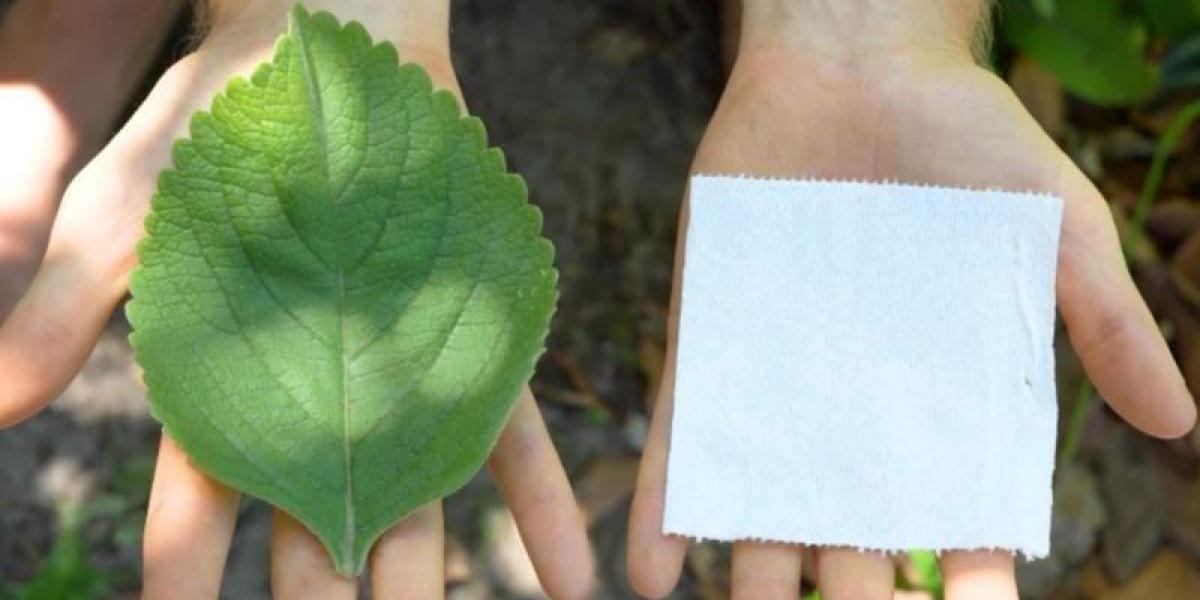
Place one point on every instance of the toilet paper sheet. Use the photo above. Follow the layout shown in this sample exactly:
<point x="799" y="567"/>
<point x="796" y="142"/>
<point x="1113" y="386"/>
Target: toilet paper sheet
<point x="866" y="365"/>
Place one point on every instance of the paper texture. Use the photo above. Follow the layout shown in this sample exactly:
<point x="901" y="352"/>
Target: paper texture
<point x="865" y="365"/>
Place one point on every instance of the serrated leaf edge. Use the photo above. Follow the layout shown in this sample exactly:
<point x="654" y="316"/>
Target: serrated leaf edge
<point x="476" y="131"/>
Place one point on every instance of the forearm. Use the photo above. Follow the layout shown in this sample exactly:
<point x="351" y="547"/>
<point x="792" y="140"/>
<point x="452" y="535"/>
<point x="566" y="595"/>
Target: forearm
<point x="856" y="31"/>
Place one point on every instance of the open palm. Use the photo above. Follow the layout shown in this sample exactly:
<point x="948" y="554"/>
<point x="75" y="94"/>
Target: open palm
<point x="190" y="518"/>
<point x="911" y="119"/>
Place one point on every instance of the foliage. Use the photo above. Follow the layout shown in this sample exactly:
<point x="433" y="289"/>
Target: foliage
<point x="1158" y="166"/>
<point x="1174" y="18"/>
<point x="341" y="290"/>
<point x="65" y="573"/>
<point x="1101" y="50"/>
<point x="924" y="574"/>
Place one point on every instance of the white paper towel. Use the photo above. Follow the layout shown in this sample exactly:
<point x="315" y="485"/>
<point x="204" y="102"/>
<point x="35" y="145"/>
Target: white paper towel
<point x="865" y="365"/>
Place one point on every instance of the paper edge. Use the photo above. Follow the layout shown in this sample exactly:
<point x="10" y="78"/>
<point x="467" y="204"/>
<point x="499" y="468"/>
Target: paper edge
<point x="894" y="183"/>
<point x="1023" y="553"/>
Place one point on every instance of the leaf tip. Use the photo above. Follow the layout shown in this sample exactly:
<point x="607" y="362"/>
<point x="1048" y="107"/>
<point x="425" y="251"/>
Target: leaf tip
<point x="296" y="17"/>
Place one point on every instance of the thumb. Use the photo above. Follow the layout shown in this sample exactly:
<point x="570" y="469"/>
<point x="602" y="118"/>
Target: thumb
<point x="49" y="334"/>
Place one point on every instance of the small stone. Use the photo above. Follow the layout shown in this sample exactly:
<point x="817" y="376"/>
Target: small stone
<point x="63" y="483"/>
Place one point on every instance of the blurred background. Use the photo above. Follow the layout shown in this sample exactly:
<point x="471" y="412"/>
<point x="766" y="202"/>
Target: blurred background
<point x="599" y="105"/>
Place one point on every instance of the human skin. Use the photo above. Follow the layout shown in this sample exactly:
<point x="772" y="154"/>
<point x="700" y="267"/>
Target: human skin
<point x="190" y="517"/>
<point x="889" y="90"/>
<point x="67" y="68"/>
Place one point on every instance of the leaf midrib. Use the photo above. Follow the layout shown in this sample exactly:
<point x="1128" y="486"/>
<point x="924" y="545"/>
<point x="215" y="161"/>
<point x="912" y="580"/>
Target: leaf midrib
<point x="308" y="72"/>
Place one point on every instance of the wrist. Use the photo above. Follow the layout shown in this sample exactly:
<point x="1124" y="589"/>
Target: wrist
<point x="418" y="27"/>
<point x="856" y="34"/>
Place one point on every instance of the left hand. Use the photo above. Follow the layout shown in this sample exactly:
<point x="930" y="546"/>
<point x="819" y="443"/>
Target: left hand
<point x="889" y="90"/>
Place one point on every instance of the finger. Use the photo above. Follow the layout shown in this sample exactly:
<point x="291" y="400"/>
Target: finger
<point x="407" y="562"/>
<point x="300" y="566"/>
<point x="532" y="479"/>
<point x="765" y="571"/>
<point x="189" y="526"/>
<point x="979" y="576"/>
<point x="654" y="560"/>
<point x="1109" y="324"/>
<point x="49" y="335"/>
<point x="847" y="573"/>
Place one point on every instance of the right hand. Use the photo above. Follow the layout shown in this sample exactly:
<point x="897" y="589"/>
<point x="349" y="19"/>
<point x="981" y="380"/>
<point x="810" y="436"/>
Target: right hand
<point x="191" y="517"/>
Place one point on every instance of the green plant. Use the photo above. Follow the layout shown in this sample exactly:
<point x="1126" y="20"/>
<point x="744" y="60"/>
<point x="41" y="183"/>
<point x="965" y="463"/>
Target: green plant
<point x="1093" y="49"/>
<point x="341" y="290"/>
<point x="1181" y="65"/>
<point x="64" y="573"/>
<point x="1158" y="166"/>
<point x="1173" y="18"/>
<point x="1101" y="50"/>
<point x="926" y="574"/>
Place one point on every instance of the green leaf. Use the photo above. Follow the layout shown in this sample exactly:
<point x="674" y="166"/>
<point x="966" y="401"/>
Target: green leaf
<point x="927" y="572"/>
<point x="1095" y="51"/>
<point x="342" y="289"/>
<point x="1176" y="129"/>
<point x="1174" y="18"/>
<point x="64" y="573"/>
<point x="1045" y="8"/>
<point x="1181" y="65"/>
